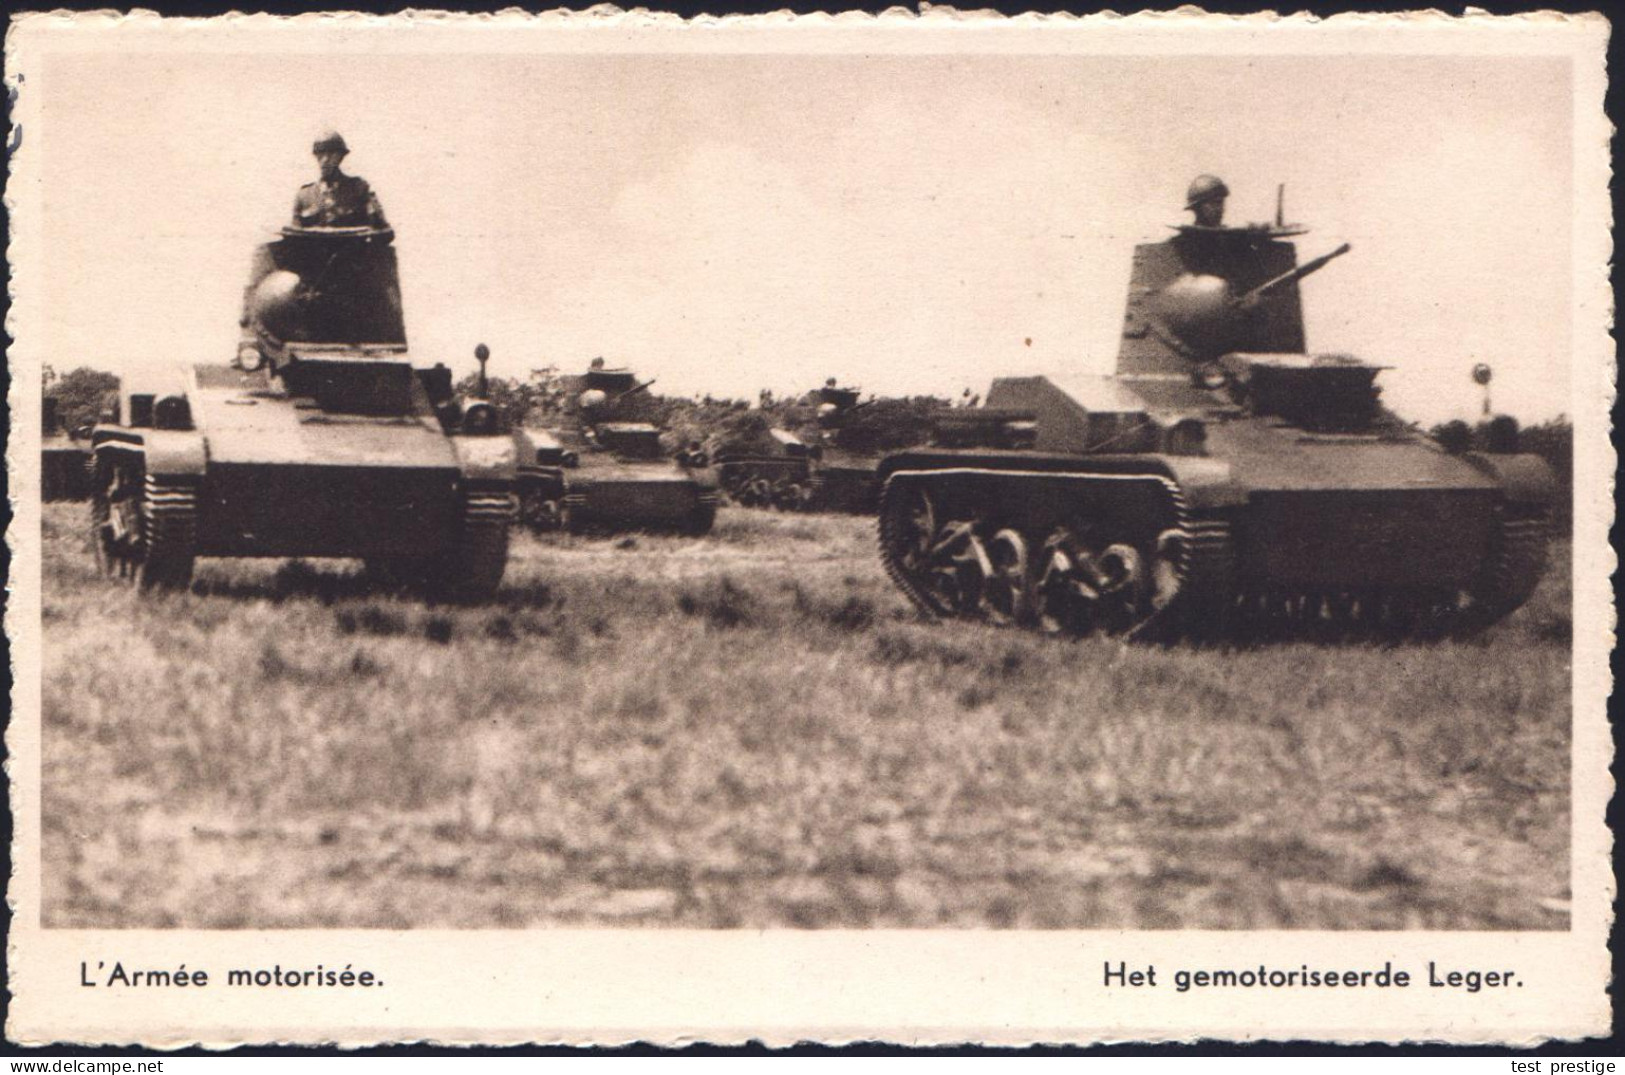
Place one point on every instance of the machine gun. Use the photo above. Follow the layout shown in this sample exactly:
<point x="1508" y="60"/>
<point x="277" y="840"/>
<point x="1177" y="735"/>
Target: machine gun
<point x="1291" y="276"/>
<point x="643" y="386"/>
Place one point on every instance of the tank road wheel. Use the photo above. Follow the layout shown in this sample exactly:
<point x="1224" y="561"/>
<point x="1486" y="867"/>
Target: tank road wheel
<point x="472" y="568"/>
<point x="790" y="496"/>
<point x="1080" y="587"/>
<point x="1124" y="583"/>
<point x="1007" y="591"/>
<point x="539" y="512"/>
<point x="941" y="567"/>
<point x="143" y="526"/>
<point x="1060" y="599"/>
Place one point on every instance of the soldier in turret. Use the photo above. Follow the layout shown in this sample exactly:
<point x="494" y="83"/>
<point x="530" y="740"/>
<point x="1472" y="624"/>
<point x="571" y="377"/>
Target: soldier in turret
<point x="1205" y="198"/>
<point x="336" y="200"/>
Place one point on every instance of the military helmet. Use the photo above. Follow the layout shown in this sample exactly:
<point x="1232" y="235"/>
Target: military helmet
<point x="1205" y="188"/>
<point x="330" y="142"/>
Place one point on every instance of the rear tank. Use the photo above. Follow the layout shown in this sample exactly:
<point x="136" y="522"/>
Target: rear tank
<point x="324" y="438"/>
<point x="616" y="475"/>
<point x="64" y="473"/>
<point x="1225" y="477"/>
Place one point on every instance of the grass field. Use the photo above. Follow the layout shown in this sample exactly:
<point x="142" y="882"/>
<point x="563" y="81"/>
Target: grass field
<point x="754" y="730"/>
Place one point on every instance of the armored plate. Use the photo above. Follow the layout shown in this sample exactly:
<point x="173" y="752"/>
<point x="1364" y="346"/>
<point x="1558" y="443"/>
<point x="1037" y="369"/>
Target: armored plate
<point x="250" y="419"/>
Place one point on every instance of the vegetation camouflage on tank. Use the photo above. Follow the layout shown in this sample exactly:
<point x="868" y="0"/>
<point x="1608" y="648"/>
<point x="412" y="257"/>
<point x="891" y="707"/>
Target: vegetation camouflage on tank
<point x="1224" y="479"/>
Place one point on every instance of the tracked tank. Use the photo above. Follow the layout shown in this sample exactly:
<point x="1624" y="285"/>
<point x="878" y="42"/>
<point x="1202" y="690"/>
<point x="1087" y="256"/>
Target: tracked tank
<point x="847" y="475"/>
<point x="774" y="472"/>
<point x="616" y="473"/>
<point x="543" y="464"/>
<point x="324" y="437"/>
<point x="1225" y="478"/>
<point x="64" y="459"/>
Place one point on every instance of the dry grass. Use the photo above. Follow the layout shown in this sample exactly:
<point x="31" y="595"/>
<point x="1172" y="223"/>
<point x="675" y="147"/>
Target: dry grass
<point x="753" y="730"/>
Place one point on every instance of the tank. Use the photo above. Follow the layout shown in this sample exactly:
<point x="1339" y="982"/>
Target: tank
<point x="324" y="437"/>
<point x="774" y="472"/>
<point x="543" y="462"/>
<point x="1225" y="477"/>
<point x="616" y="473"/>
<point x="847" y="476"/>
<point x="63" y="458"/>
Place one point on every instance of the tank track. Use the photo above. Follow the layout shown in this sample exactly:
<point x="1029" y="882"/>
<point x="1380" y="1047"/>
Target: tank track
<point x="1201" y="591"/>
<point x="1516" y="563"/>
<point x="766" y="482"/>
<point x="473" y="567"/>
<point x="169" y="518"/>
<point x="1197" y="550"/>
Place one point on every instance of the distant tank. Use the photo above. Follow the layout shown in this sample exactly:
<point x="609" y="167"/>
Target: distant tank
<point x="616" y="473"/>
<point x="322" y="439"/>
<point x="64" y="474"/>
<point x="847" y="476"/>
<point x="1224" y="477"/>
<point x="543" y="464"/>
<point x="775" y="472"/>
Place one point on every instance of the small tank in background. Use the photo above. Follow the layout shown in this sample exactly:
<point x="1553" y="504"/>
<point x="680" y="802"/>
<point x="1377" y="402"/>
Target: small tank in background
<point x="615" y="472"/>
<point x="830" y="464"/>
<point x="846" y="478"/>
<point x="323" y="439"/>
<point x="772" y="470"/>
<point x="1225" y="478"/>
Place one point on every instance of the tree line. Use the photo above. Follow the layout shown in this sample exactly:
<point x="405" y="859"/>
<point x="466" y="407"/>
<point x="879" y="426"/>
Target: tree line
<point x="83" y="394"/>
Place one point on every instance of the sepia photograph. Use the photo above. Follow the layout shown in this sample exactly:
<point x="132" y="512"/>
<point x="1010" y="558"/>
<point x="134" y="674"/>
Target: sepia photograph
<point x="835" y="482"/>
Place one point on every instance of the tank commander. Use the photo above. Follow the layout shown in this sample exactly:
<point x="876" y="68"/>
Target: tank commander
<point x="1205" y="198"/>
<point x="336" y="200"/>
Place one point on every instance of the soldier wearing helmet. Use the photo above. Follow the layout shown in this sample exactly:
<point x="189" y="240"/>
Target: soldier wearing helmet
<point x="1205" y="198"/>
<point x="336" y="200"/>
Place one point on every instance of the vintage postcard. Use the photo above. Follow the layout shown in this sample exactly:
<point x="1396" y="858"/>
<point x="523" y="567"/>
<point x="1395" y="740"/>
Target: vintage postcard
<point x="932" y="527"/>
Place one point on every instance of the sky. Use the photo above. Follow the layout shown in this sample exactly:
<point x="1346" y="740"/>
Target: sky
<point x="909" y="223"/>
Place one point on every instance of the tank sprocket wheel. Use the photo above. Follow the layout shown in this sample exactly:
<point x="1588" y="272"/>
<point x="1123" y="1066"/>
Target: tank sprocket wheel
<point x="1206" y="574"/>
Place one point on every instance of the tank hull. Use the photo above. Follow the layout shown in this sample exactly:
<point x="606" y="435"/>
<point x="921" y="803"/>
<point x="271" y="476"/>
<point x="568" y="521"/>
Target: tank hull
<point x="613" y="497"/>
<point x="1338" y="537"/>
<point x="268" y="509"/>
<point x="846" y="483"/>
<point x="63" y="474"/>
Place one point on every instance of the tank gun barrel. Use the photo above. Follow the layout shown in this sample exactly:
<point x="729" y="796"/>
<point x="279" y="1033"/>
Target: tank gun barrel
<point x="634" y="390"/>
<point x="1291" y="276"/>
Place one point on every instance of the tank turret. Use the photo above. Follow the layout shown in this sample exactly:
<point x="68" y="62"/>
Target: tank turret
<point x="1224" y="475"/>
